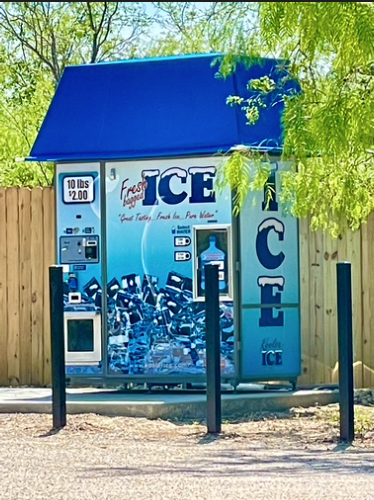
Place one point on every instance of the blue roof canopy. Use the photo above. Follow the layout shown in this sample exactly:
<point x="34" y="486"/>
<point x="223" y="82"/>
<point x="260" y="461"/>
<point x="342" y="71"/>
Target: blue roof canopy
<point x="162" y="107"/>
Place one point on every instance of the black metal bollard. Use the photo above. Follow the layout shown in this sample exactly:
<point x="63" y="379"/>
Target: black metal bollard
<point x="57" y="347"/>
<point x="213" y="349"/>
<point x="345" y="344"/>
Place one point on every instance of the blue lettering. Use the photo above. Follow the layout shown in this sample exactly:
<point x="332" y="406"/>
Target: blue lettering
<point x="150" y="194"/>
<point x="267" y="259"/>
<point x="270" y="358"/>
<point x="201" y="180"/>
<point x="267" y="284"/>
<point x="264" y="358"/>
<point x="278" y="357"/>
<point x="165" y="192"/>
<point x="165" y="187"/>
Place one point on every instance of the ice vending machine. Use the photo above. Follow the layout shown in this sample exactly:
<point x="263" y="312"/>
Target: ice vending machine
<point x="78" y="244"/>
<point x="139" y="216"/>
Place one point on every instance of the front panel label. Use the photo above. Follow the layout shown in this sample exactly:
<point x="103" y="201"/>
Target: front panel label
<point x="155" y="326"/>
<point x="78" y="189"/>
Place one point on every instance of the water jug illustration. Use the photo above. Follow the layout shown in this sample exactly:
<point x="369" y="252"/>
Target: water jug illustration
<point x="213" y="255"/>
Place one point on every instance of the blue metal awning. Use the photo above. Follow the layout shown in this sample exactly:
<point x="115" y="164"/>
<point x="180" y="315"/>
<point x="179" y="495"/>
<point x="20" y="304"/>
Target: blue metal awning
<point x="161" y="107"/>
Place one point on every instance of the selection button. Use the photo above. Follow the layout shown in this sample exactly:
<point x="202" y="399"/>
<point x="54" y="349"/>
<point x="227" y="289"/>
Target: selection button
<point x="182" y="241"/>
<point x="182" y="256"/>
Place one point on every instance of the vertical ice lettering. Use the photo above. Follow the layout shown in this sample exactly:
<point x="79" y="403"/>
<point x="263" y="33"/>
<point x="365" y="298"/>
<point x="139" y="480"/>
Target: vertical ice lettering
<point x="267" y="285"/>
<point x="267" y="259"/>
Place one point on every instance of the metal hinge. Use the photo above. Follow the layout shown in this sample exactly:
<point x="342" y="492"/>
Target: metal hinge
<point x="237" y="266"/>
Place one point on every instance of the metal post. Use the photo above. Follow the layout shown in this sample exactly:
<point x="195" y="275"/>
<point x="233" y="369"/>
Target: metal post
<point x="57" y="347"/>
<point x="345" y="351"/>
<point x="213" y="349"/>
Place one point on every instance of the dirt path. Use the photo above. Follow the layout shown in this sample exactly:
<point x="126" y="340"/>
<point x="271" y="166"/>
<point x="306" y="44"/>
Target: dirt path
<point x="278" y="456"/>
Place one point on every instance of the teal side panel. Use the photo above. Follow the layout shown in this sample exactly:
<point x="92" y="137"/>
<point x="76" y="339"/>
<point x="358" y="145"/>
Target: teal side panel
<point x="270" y="289"/>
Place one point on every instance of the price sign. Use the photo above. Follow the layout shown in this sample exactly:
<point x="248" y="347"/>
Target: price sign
<point x="78" y="189"/>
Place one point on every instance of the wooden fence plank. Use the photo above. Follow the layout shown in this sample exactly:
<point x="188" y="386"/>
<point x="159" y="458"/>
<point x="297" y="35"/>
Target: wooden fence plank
<point x="311" y="302"/>
<point x="342" y="256"/>
<point x="13" y="285"/>
<point x="305" y="377"/>
<point x="318" y="300"/>
<point x="330" y="257"/>
<point x="367" y="273"/>
<point x="25" y="339"/>
<point x="316" y="332"/>
<point x="49" y="259"/>
<point x="3" y="292"/>
<point x="354" y="256"/>
<point x="37" y="280"/>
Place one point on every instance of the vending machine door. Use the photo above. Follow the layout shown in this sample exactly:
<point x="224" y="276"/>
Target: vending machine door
<point x="82" y="337"/>
<point x="212" y="245"/>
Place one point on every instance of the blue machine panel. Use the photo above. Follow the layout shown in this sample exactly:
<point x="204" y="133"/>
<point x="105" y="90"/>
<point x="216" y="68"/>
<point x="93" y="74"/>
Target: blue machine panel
<point x="154" y="211"/>
<point x="78" y="246"/>
<point x="268" y="352"/>
<point x="269" y="287"/>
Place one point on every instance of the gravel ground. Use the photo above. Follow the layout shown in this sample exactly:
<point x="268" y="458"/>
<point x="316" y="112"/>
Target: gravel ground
<point x="263" y="456"/>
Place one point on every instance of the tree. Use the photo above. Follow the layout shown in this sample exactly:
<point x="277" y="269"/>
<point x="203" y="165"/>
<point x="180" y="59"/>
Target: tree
<point x="62" y="33"/>
<point x="25" y="93"/>
<point x="329" y="125"/>
<point x="38" y="40"/>
<point x="193" y="27"/>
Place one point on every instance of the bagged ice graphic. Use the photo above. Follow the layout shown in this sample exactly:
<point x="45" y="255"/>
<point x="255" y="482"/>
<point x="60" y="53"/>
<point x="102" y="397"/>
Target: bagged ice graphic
<point x="91" y="287"/>
<point x="152" y="330"/>
<point x="149" y="289"/>
<point x="131" y="283"/>
<point x="174" y="282"/>
<point x="113" y="287"/>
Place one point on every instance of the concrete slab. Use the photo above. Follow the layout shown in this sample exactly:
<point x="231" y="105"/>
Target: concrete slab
<point x="170" y="405"/>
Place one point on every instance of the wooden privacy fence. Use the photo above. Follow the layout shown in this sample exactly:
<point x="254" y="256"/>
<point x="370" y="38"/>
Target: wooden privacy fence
<point x="27" y="248"/>
<point x="318" y="257"/>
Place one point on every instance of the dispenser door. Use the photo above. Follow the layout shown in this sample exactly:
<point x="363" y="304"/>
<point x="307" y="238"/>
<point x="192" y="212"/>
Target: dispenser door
<point x="82" y="337"/>
<point x="212" y="245"/>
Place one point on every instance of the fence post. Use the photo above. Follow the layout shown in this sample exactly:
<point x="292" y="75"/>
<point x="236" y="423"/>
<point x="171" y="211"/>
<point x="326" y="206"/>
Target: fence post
<point x="57" y="347"/>
<point x="345" y="345"/>
<point x="213" y="349"/>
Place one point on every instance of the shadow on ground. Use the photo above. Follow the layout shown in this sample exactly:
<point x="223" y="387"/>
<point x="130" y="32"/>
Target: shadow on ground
<point x="237" y="463"/>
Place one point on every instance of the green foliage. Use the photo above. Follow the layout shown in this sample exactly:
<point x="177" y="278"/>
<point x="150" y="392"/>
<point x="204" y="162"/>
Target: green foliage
<point x="38" y="39"/>
<point x="329" y="126"/>
<point x="244" y="171"/>
<point x="25" y="93"/>
<point x="194" y="27"/>
<point x="260" y="88"/>
<point x="57" y="34"/>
